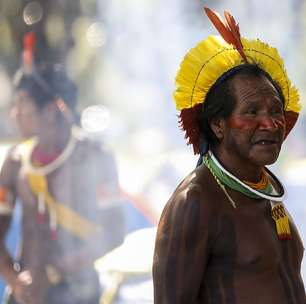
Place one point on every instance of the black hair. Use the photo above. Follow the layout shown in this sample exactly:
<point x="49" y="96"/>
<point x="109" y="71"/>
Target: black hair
<point x="46" y="83"/>
<point x="220" y="100"/>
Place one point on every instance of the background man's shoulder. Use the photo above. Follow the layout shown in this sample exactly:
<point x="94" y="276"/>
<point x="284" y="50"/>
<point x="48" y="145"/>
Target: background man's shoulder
<point x="89" y="144"/>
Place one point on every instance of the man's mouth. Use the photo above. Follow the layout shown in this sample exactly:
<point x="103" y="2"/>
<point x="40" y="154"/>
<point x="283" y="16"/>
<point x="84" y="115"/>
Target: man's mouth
<point x="266" y="142"/>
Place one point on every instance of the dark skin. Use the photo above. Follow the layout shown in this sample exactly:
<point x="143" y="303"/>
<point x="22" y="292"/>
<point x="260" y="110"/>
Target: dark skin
<point x="209" y="252"/>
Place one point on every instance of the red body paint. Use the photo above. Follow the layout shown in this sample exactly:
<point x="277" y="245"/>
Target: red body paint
<point x="249" y="123"/>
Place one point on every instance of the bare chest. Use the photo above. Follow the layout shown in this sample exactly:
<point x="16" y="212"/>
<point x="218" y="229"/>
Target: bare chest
<point x="70" y="185"/>
<point x="248" y="240"/>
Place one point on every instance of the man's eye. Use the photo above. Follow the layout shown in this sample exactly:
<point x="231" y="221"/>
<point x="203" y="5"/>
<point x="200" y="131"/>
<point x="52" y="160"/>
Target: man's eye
<point x="251" y="111"/>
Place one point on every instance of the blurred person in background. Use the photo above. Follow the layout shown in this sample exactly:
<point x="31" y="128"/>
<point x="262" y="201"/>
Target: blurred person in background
<point x="225" y="236"/>
<point x="68" y="186"/>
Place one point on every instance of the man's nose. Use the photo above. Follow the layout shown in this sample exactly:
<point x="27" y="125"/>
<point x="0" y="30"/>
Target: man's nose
<point x="267" y="122"/>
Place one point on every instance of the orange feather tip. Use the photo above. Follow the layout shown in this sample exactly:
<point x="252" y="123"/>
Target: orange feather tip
<point x="228" y="29"/>
<point x="217" y="20"/>
<point x="29" y="40"/>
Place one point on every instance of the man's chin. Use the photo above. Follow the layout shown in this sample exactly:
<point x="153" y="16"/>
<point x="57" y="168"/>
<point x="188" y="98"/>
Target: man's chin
<point x="269" y="162"/>
<point x="265" y="159"/>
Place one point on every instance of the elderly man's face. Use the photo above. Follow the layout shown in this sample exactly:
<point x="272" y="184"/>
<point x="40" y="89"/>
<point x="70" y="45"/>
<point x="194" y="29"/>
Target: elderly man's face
<point x="255" y="130"/>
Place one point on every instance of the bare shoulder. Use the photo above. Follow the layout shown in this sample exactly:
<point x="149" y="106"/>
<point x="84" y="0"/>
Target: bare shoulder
<point x="198" y="186"/>
<point x="198" y="197"/>
<point x="11" y="165"/>
<point x="96" y="156"/>
<point x="192" y="213"/>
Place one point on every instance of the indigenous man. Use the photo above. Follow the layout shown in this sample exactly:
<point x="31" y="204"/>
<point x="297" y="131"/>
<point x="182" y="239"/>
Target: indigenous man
<point x="57" y="176"/>
<point x="225" y="236"/>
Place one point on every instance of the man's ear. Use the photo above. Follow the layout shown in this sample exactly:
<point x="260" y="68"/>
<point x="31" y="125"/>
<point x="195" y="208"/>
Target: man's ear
<point x="217" y="125"/>
<point x="65" y="110"/>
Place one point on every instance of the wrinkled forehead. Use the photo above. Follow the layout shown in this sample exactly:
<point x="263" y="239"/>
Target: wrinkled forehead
<point x="245" y="86"/>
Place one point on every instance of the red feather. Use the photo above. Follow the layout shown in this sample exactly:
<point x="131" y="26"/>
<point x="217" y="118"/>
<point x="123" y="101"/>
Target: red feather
<point x="220" y="25"/>
<point x="29" y="41"/>
<point x="229" y="29"/>
<point x="236" y="33"/>
<point x="291" y="118"/>
<point x="189" y="122"/>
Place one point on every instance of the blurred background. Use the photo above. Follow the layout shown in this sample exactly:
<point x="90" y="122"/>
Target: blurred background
<point x="123" y="55"/>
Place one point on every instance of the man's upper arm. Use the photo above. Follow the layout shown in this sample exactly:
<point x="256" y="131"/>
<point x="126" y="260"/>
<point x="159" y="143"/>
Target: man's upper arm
<point x="181" y="249"/>
<point x="8" y="175"/>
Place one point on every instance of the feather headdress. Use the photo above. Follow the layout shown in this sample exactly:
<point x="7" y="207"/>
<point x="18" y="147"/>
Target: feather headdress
<point x="28" y="67"/>
<point x="204" y="64"/>
<point x="29" y="41"/>
<point x="229" y="30"/>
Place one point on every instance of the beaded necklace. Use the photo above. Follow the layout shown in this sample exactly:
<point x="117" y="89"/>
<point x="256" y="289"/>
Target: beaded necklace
<point x="262" y="190"/>
<point x="262" y="184"/>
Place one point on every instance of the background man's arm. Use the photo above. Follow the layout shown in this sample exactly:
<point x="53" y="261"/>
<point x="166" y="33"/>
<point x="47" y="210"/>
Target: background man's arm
<point x="18" y="281"/>
<point x="7" y="198"/>
<point x="181" y="249"/>
<point x="6" y="262"/>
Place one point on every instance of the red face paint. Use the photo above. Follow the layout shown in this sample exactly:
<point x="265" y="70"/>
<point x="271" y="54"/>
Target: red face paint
<point x="242" y="123"/>
<point x="281" y="123"/>
<point x="249" y="123"/>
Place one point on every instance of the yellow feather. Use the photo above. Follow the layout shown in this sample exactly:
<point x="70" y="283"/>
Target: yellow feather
<point x="211" y="58"/>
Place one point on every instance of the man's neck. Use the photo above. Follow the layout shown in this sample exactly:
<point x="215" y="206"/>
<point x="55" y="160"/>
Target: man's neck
<point x="244" y="170"/>
<point x="54" y="139"/>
